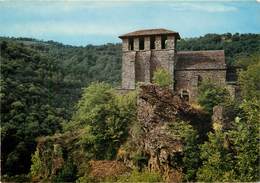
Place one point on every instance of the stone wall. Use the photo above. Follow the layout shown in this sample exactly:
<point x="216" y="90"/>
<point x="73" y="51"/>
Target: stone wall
<point x="136" y="44"/>
<point x="170" y="42"/>
<point x="162" y="59"/>
<point x="138" y="66"/>
<point x="128" y="70"/>
<point x="125" y="45"/>
<point x="233" y="90"/>
<point x="158" y="45"/>
<point x="222" y="117"/>
<point x="147" y="43"/>
<point x="142" y="66"/>
<point x="186" y="67"/>
<point x="189" y="80"/>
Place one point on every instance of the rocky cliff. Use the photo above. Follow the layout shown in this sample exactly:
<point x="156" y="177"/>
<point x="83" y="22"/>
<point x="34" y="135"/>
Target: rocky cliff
<point x="158" y="144"/>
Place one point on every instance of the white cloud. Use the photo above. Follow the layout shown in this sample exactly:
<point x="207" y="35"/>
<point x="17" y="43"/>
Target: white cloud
<point x="75" y="5"/>
<point x="210" y="7"/>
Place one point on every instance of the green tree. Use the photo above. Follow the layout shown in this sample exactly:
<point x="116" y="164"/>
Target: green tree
<point x="210" y="95"/>
<point x="162" y="77"/>
<point x="217" y="159"/>
<point x="28" y="107"/>
<point x="189" y="160"/>
<point x="233" y="155"/>
<point x="104" y="117"/>
<point x="36" y="164"/>
<point x="245" y="136"/>
<point x="249" y="78"/>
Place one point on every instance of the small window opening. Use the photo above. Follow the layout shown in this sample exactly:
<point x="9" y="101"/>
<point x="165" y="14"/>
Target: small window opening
<point x="185" y="95"/>
<point x="152" y="42"/>
<point x="141" y="43"/>
<point x="164" y="41"/>
<point x="130" y="44"/>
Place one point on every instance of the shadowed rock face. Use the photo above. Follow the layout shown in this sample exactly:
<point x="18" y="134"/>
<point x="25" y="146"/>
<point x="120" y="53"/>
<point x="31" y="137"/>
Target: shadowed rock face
<point x="157" y="108"/>
<point x="158" y="105"/>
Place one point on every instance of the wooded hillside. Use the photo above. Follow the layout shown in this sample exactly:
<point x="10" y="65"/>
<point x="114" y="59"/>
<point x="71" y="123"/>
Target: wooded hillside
<point x="41" y="81"/>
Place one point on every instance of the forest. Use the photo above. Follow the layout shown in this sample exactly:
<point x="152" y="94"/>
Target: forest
<point x="50" y="91"/>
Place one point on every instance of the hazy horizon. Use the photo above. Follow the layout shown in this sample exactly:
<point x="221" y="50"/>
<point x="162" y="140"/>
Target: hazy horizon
<point x="81" y="23"/>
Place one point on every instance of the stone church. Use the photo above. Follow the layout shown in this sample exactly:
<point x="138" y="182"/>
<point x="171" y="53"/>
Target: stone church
<point x="146" y="50"/>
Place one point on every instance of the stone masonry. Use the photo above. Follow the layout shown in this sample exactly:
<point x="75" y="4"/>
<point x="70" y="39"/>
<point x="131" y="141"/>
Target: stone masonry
<point x="144" y="51"/>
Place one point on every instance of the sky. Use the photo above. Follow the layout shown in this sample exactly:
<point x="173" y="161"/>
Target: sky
<point x="100" y="22"/>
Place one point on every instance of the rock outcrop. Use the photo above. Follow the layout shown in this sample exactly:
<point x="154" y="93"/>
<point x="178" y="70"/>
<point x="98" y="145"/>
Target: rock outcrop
<point x="157" y="109"/>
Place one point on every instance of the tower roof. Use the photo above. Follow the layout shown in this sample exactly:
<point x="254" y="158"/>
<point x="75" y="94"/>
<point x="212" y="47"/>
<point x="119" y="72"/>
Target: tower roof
<point x="150" y="32"/>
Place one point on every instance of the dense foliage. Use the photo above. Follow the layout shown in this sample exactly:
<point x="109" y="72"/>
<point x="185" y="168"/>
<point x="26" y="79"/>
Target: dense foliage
<point x="188" y="161"/>
<point x="103" y="116"/>
<point x="162" y="77"/>
<point x="210" y="95"/>
<point x="249" y="77"/>
<point x="98" y="127"/>
<point x="40" y="84"/>
<point x="28" y="104"/>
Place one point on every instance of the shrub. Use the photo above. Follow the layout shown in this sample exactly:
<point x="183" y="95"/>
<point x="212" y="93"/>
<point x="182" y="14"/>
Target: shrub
<point x="217" y="159"/>
<point x="162" y="77"/>
<point x="189" y="159"/>
<point x="249" y="79"/>
<point x="36" y="164"/>
<point x="104" y="117"/>
<point x="210" y="95"/>
<point x="233" y="155"/>
<point x="67" y="173"/>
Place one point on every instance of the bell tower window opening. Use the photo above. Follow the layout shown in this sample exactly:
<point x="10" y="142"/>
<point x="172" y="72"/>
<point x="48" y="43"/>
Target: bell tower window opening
<point x="152" y="42"/>
<point x="130" y="44"/>
<point x="164" y="42"/>
<point x="141" y="43"/>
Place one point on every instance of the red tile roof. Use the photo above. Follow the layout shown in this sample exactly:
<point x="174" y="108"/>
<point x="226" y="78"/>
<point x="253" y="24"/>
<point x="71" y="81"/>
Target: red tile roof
<point x="149" y="32"/>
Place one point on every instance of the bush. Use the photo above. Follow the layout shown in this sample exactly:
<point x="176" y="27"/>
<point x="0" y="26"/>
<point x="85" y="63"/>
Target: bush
<point x="162" y="77"/>
<point x="233" y="155"/>
<point x="245" y="140"/>
<point x="217" y="159"/>
<point x="249" y="79"/>
<point x="37" y="165"/>
<point x="210" y="95"/>
<point x="68" y="173"/>
<point x="103" y="116"/>
<point x="189" y="159"/>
